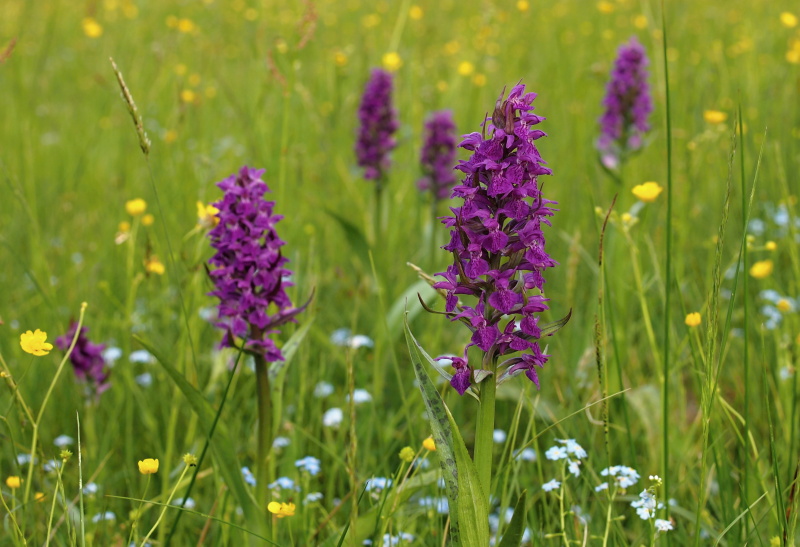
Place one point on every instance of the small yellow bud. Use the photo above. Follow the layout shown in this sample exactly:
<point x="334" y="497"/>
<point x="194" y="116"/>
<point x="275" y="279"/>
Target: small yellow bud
<point x="770" y="245"/>
<point x="693" y="319"/>
<point x="714" y="116"/>
<point x="761" y="269"/>
<point x="429" y="444"/>
<point x="407" y="454"/>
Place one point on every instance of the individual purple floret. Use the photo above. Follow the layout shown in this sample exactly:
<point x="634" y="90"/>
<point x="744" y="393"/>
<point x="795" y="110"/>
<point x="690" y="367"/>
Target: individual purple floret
<point x="86" y="358"/>
<point x="498" y="245"/>
<point x="627" y="105"/>
<point x="249" y="276"/>
<point x="378" y="124"/>
<point x="438" y="155"/>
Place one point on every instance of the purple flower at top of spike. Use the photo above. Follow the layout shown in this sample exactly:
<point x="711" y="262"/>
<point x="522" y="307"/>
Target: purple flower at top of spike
<point x="627" y="106"/>
<point x="438" y="155"/>
<point x="498" y="246"/>
<point x="249" y="274"/>
<point x="378" y="120"/>
<point x="86" y="358"/>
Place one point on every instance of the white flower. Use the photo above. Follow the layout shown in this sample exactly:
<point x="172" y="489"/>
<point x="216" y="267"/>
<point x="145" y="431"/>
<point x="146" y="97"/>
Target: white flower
<point x="600" y="487"/>
<point x="645" y="506"/>
<point x="90" y="489"/>
<point x="361" y="341"/>
<point x="573" y="448"/>
<point x="624" y="476"/>
<point x="313" y="497"/>
<point x="322" y="390"/>
<point x="281" y="442"/>
<point x="283" y="483"/>
<point x="108" y="515"/>
<point x="378" y="484"/>
<point x="556" y="453"/>
<point x="526" y="455"/>
<point x="360" y="396"/>
<point x="332" y="417"/>
<point x="439" y="503"/>
<point x="552" y="485"/>
<point x="145" y="379"/>
<point x="190" y="503"/>
<point x="309" y="464"/>
<point x="141" y="356"/>
<point x="248" y="476"/>
<point x="499" y="436"/>
<point x="111" y="354"/>
<point x="574" y="467"/>
<point x="63" y="441"/>
<point x="663" y="525"/>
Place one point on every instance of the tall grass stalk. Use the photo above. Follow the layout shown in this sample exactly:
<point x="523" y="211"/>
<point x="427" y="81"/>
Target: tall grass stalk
<point x="665" y="403"/>
<point x="38" y="422"/>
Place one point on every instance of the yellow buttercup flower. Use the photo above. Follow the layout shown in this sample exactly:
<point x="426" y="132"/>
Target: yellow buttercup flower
<point x="391" y="61"/>
<point x="154" y="265"/>
<point x="770" y="245"/>
<point x="188" y="96"/>
<point x="429" y="444"/>
<point x="91" y="27"/>
<point x="605" y="7"/>
<point x="281" y="510"/>
<point x="761" y="269"/>
<point x="647" y="192"/>
<point x="39" y="497"/>
<point x="34" y="342"/>
<point x="207" y="215"/>
<point x="13" y="482"/>
<point x="714" y="116"/>
<point x="783" y="305"/>
<point x="523" y="5"/>
<point x="340" y="58"/>
<point x="407" y="454"/>
<point x="148" y="466"/>
<point x="415" y="12"/>
<point x="465" y="68"/>
<point x="136" y="207"/>
<point x="148" y="220"/>
<point x="693" y="319"/>
<point x="788" y="19"/>
<point x="186" y="26"/>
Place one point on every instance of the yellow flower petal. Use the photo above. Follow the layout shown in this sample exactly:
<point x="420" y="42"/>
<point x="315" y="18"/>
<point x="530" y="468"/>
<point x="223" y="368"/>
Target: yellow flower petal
<point x="13" y="482"/>
<point x="281" y="510"/>
<point x="148" y="466"/>
<point x="714" y="116"/>
<point x="136" y="207"/>
<point x="429" y="444"/>
<point x="34" y="342"/>
<point x="693" y="319"/>
<point x="647" y="192"/>
<point x="761" y="269"/>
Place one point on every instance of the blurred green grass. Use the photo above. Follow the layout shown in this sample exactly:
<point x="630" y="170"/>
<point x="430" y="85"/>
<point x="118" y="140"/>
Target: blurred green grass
<point x="69" y="161"/>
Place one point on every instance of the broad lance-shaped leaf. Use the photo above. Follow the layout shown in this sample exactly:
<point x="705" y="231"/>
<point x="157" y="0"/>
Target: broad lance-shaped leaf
<point x="516" y="528"/>
<point x="221" y="445"/>
<point x="469" y="513"/>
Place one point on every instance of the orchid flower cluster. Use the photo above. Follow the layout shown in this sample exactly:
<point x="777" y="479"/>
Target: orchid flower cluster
<point x="250" y="276"/>
<point x="86" y="358"/>
<point x="378" y="123"/>
<point x="438" y="155"/>
<point x="498" y="246"/>
<point x="627" y="105"/>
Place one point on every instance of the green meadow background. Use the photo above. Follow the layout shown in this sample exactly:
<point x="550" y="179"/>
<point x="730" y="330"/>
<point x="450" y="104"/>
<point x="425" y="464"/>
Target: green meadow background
<point x="276" y="85"/>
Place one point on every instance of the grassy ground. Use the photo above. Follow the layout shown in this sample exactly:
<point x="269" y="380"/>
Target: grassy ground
<point x="276" y="85"/>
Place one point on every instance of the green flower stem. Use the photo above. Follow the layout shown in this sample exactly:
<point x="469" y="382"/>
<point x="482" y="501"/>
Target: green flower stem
<point x="165" y="506"/>
<point x="264" y="395"/>
<point x="38" y="421"/>
<point x="483" y="435"/>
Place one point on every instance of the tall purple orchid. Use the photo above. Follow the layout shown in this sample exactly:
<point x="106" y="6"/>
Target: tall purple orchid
<point x="498" y="245"/>
<point x="249" y="274"/>
<point x="438" y="155"/>
<point x="627" y="106"/>
<point x="250" y="281"/>
<point x="86" y="358"/>
<point x="378" y="120"/>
